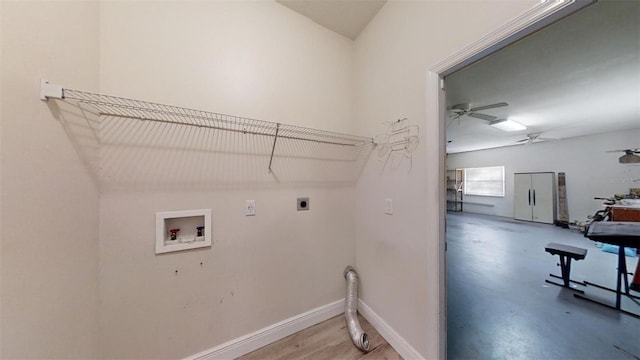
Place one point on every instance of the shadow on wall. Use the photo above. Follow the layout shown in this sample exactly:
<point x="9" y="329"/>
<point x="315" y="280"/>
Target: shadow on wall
<point x="82" y="129"/>
<point x="132" y="154"/>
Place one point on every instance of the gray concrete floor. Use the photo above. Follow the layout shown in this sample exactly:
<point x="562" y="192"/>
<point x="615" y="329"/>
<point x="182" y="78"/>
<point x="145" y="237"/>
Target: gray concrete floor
<point x="499" y="307"/>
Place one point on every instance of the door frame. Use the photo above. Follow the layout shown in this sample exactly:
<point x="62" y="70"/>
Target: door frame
<point x="542" y="14"/>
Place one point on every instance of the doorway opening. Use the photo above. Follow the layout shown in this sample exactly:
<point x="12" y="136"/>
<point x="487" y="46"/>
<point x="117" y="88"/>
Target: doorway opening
<point x="481" y="96"/>
<point x="540" y="17"/>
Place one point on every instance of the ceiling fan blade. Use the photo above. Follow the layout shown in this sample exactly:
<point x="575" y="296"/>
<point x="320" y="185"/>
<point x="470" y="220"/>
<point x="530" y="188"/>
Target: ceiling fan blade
<point x="462" y="107"/>
<point x="482" y="116"/>
<point x="492" y="106"/>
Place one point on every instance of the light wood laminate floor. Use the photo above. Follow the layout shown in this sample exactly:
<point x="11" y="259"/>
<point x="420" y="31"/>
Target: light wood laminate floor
<point x="327" y="340"/>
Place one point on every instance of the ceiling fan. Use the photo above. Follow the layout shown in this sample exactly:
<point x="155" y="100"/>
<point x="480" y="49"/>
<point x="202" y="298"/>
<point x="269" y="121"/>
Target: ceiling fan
<point x="535" y="137"/>
<point x="459" y="110"/>
<point x="629" y="156"/>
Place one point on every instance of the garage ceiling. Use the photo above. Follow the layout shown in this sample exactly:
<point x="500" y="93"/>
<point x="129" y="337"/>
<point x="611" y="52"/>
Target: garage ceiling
<point x="579" y="76"/>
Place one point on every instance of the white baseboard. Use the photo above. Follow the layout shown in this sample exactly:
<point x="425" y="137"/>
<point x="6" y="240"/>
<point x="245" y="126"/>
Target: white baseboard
<point x="396" y="341"/>
<point x="265" y="336"/>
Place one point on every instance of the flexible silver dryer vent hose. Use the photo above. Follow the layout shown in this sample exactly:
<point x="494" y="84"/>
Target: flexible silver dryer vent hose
<point x="359" y="337"/>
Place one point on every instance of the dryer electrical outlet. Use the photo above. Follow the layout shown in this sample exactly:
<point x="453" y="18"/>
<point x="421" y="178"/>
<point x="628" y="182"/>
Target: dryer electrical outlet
<point x="303" y="204"/>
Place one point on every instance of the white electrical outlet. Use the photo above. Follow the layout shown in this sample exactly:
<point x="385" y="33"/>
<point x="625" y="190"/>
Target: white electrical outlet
<point x="250" y="208"/>
<point x="388" y="206"/>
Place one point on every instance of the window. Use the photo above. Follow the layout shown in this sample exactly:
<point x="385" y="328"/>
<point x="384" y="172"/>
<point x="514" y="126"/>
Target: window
<point x="484" y="181"/>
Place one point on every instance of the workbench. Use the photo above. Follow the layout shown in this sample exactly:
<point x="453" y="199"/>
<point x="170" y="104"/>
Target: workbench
<point x="623" y="234"/>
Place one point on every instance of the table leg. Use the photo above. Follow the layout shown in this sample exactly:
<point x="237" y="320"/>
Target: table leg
<point x="622" y="272"/>
<point x="565" y="268"/>
<point x="622" y="276"/>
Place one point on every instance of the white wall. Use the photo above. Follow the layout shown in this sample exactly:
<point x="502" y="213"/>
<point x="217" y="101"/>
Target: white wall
<point x="254" y="59"/>
<point x="590" y="170"/>
<point x="49" y="206"/>
<point x="397" y="255"/>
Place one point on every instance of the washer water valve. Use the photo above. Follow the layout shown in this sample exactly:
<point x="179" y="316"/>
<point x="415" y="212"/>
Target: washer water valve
<point x="173" y="234"/>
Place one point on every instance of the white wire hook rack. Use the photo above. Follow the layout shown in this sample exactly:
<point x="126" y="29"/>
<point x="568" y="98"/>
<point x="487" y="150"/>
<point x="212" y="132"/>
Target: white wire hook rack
<point x="108" y="105"/>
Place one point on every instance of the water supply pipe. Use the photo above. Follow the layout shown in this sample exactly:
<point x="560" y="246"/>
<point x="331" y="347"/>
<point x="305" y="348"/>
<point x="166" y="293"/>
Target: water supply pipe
<point x="358" y="336"/>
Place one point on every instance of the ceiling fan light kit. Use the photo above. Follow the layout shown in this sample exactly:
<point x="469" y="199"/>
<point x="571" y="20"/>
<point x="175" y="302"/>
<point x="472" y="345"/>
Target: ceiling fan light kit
<point x="507" y="125"/>
<point x="630" y="156"/>
<point x="629" y="159"/>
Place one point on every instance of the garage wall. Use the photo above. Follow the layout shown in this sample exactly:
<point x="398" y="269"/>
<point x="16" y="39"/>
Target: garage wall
<point x="253" y="59"/>
<point x="590" y="170"/>
<point x="49" y="239"/>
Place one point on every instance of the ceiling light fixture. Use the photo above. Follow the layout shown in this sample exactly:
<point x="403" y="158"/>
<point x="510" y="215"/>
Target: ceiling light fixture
<point x="507" y="125"/>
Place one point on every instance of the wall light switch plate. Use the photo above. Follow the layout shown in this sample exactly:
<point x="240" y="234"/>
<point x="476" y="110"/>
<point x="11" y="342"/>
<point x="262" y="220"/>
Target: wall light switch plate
<point x="250" y="208"/>
<point x="388" y="206"/>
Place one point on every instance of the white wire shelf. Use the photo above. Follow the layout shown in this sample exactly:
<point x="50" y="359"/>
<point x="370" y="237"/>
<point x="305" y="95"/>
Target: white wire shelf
<point x="108" y="105"/>
<point x="355" y="147"/>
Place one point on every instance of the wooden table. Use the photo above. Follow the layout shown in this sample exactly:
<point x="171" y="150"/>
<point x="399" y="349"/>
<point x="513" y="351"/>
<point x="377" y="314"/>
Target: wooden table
<point x="623" y="234"/>
<point x="625" y="213"/>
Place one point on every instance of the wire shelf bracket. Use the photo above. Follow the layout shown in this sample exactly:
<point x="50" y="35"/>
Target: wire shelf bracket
<point x="273" y="149"/>
<point x="107" y="105"/>
<point x="48" y="90"/>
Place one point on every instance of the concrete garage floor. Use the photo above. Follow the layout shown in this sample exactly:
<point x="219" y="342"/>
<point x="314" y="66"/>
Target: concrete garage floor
<point x="499" y="306"/>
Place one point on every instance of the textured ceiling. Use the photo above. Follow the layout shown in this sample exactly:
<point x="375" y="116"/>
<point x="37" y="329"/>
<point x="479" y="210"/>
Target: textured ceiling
<point x="579" y="76"/>
<point x="346" y="17"/>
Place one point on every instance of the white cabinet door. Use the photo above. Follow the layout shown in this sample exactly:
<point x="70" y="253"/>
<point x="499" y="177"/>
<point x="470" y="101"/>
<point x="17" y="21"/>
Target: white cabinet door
<point x="534" y="197"/>
<point x="522" y="197"/>
<point x="542" y="199"/>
